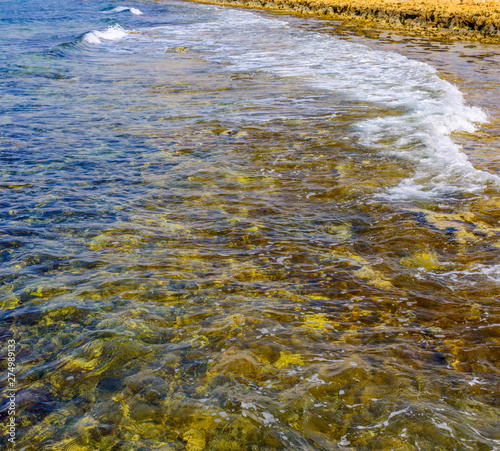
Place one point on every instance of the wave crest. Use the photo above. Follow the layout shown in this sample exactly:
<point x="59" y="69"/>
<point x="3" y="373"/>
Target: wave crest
<point x="111" y="33"/>
<point x="134" y="11"/>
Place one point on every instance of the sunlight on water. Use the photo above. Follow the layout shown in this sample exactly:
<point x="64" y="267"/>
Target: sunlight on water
<point x="198" y="255"/>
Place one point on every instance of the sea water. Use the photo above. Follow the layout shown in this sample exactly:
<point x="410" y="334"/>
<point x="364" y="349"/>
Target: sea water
<point x="223" y="230"/>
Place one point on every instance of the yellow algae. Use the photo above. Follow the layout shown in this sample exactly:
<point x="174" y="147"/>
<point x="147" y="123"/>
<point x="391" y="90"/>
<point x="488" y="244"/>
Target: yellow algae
<point x="344" y="169"/>
<point x="460" y="224"/>
<point x="482" y="227"/>
<point x="286" y="294"/>
<point x="243" y="179"/>
<point x="350" y="335"/>
<point x="422" y="259"/>
<point x="243" y="211"/>
<point x="198" y="341"/>
<point x="78" y="364"/>
<point x="86" y="357"/>
<point x="73" y="445"/>
<point x="220" y="325"/>
<point x="99" y="242"/>
<point x="455" y="355"/>
<point x="165" y="223"/>
<point x="229" y="132"/>
<point x="62" y="311"/>
<point x="364" y="312"/>
<point x="235" y="219"/>
<point x="38" y="292"/>
<point x="343" y="231"/>
<point x="346" y="257"/>
<point x="93" y="349"/>
<point x="317" y="321"/>
<point x="445" y="220"/>
<point x="264" y="353"/>
<point x="195" y="439"/>
<point x="250" y="271"/>
<point x="236" y="321"/>
<point x="10" y="302"/>
<point x="374" y="277"/>
<point x="435" y="330"/>
<point x="236" y="364"/>
<point x="463" y="236"/>
<point x="475" y="311"/>
<point x="287" y="358"/>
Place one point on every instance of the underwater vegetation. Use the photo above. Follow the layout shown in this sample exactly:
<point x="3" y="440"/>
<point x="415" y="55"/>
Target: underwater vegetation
<point x="257" y="302"/>
<point x="201" y="258"/>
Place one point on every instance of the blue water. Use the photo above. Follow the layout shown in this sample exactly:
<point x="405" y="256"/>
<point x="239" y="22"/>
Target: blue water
<point x="221" y="229"/>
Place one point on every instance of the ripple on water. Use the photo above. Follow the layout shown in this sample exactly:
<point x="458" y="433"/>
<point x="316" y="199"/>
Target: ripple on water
<point x="196" y="256"/>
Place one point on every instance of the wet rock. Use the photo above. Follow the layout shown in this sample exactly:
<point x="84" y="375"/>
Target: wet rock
<point x="476" y="20"/>
<point x="139" y="382"/>
<point x="141" y="412"/>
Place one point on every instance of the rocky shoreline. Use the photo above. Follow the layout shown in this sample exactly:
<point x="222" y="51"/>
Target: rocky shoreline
<point x="456" y="19"/>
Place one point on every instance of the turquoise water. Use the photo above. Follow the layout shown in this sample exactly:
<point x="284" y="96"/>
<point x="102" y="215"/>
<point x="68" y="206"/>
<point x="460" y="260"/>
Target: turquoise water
<point x="224" y="230"/>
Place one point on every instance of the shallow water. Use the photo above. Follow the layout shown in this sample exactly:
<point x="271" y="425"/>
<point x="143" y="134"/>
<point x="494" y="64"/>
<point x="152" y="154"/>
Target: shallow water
<point x="228" y="230"/>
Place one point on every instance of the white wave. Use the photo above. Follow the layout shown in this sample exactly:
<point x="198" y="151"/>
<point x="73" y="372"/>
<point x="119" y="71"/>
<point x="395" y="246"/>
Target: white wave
<point x="135" y="11"/>
<point x="111" y="33"/>
<point x="491" y="272"/>
<point x="421" y="109"/>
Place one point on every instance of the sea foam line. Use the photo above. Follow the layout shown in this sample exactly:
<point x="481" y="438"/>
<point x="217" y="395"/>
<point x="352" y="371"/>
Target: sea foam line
<point x="427" y="109"/>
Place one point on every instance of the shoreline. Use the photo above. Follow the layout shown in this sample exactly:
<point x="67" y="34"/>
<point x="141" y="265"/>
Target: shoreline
<point x="450" y="19"/>
<point x="468" y="61"/>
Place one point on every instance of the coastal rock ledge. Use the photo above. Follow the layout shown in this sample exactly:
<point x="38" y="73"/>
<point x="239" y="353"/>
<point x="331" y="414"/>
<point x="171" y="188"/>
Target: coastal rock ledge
<point x="455" y="18"/>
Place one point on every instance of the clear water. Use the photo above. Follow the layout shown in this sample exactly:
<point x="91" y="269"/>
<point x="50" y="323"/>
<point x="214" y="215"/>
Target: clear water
<point x="222" y="230"/>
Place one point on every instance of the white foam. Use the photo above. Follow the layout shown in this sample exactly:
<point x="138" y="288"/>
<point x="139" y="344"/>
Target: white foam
<point x="268" y="418"/>
<point x="426" y="109"/>
<point x="470" y="274"/>
<point x="443" y="425"/>
<point x="135" y="11"/>
<point x="111" y="33"/>
<point x="476" y="380"/>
